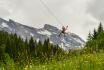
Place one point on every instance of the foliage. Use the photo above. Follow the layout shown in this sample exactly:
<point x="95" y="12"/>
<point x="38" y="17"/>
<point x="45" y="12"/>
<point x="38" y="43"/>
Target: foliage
<point x="28" y="51"/>
<point x="95" y="41"/>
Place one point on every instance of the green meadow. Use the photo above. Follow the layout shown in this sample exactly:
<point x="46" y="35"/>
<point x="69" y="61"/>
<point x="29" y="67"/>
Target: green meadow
<point x="17" y="54"/>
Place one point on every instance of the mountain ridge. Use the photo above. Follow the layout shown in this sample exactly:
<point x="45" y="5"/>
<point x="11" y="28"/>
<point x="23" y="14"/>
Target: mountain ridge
<point x="70" y="41"/>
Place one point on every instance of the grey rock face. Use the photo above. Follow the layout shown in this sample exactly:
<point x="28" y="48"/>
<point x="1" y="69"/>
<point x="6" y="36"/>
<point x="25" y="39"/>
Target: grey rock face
<point x="69" y="41"/>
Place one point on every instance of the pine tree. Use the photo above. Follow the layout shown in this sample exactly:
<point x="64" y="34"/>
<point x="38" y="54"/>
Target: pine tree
<point x="31" y="44"/>
<point x="89" y="37"/>
<point x="100" y="27"/>
<point x="95" y="34"/>
<point x="24" y="51"/>
<point x="97" y="42"/>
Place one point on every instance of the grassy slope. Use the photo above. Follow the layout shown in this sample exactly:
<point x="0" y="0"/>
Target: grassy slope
<point x="80" y="62"/>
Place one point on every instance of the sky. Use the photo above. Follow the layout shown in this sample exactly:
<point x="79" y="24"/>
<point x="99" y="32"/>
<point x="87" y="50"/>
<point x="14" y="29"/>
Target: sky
<point x="82" y="16"/>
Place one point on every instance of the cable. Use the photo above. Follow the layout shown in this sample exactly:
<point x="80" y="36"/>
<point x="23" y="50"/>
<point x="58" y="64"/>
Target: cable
<point x="48" y="9"/>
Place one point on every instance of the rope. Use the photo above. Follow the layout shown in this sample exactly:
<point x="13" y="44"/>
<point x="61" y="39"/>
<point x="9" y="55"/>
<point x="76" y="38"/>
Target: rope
<point x="49" y="10"/>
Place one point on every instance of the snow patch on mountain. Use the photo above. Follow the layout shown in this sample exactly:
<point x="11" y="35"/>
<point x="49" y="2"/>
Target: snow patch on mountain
<point x="32" y="34"/>
<point x="5" y="25"/>
<point x="44" y="32"/>
<point x="78" y="40"/>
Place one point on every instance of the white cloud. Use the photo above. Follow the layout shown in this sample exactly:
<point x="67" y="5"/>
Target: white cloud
<point x="70" y="12"/>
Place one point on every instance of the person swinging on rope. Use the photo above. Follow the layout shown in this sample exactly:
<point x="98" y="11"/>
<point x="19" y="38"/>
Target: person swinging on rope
<point x="63" y="31"/>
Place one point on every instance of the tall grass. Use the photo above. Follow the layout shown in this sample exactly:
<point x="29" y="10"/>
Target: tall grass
<point x="88" y="61"/>
<point x="78" y="62"/>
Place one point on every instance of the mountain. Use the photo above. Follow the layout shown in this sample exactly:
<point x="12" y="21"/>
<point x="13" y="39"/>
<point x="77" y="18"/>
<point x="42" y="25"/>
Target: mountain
<point x="69" y="41"/>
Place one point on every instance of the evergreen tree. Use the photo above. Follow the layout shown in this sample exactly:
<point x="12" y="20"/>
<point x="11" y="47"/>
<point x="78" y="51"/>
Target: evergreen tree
<point x="97" y="41"/>
<point x="89" y="37"/>
<point x="100" y="27"/>
<point x="25" y="51"/>
<point x="95" y="34"/>
<point x="31" y="44"/>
